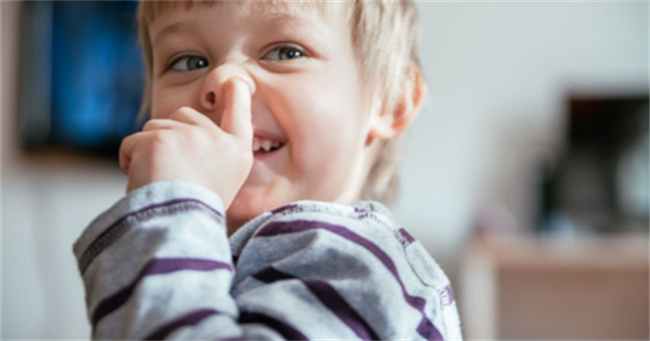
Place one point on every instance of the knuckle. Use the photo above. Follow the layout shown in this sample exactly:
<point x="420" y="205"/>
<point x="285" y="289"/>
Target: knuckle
<point x="126" y="142"/>
<point x="158" y="140"/>
<point x="182" y="112"/>
<point x="150" y="125"/>
<point x="185" y="110"/>
<point x="123" y="143"/>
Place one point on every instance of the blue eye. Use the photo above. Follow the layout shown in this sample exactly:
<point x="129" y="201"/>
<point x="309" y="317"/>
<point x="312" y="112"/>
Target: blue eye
<point x="284" y="53"/>
<point x="189" y="63"/>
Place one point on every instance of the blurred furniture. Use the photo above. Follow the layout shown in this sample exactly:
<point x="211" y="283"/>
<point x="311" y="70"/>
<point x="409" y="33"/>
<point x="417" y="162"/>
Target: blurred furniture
<point x="531" y="288"/>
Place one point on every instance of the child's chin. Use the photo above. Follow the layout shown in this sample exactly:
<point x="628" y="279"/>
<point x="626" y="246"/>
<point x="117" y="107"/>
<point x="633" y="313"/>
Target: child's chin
<point x="251" y="201"/>
<point x="244" y="208"/>
<point x="239" y="213"/>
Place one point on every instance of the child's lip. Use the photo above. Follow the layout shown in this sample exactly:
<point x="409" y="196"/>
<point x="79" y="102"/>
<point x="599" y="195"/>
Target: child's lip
<point x="266" y="135"/>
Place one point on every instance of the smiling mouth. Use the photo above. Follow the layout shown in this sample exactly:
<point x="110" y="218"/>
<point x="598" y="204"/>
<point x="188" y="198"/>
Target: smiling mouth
<point x="264" y="146"/>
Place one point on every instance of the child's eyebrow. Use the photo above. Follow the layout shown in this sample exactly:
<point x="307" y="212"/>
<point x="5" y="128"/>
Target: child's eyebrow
<point x="169" y="30"/>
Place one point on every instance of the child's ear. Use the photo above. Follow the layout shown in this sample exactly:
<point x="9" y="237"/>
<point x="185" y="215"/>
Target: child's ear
<point x="384" y="126"/>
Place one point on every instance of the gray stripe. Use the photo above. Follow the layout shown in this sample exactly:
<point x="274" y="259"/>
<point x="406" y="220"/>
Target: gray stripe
<point x="190" y="319"/>
<point x="426" y="327"/>
<point x="122" y="225"/>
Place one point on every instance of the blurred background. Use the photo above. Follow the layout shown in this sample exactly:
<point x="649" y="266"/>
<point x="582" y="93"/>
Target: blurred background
<point x="526" y="175"/>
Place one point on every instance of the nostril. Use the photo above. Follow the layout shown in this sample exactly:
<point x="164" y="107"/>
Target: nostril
<point x="211" y="97"/>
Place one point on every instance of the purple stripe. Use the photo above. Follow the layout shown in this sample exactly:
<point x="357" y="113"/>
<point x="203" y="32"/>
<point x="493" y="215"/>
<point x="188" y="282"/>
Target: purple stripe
<point x="123" y="224"/>
<point x="190" y="319"/>
<point x="404" y="237"/>
<point x="155" y="266"/>
<point x="284" y="208"/>
<point x="270" y="275"/>
<point x="287" y="331"/>
<point x="328" y="295"/>
<point x="426" y="328"/>
<point x="331" y="298"/>
<point x="450" y="293"/>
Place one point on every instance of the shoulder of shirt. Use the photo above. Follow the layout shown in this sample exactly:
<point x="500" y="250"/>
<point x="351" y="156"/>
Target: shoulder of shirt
<point x="370" y="214"/>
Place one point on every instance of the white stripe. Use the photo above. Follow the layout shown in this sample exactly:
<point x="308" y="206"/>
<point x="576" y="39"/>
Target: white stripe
<point x="160" y="299"/>
<point x="223" y="326"/>
<point x="357" y="275"/>
<point x="115" y="268"/>
<point x="294" y="304"/>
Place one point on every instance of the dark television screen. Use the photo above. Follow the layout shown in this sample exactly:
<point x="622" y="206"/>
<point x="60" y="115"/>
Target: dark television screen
<point x="600" y="184"/>
<point x="81" y="75"/>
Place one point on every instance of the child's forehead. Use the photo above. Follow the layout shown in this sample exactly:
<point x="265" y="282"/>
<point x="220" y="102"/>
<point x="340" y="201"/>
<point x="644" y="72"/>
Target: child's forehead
<point x="302" y="9"/>
<point x="308" y="9"/>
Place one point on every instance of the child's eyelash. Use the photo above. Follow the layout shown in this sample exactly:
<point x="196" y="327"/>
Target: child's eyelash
<point x="200" y="62"/>
<point x="292" y="51"/>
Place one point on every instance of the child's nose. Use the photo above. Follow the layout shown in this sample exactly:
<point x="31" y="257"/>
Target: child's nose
<point x="211" y="92"/>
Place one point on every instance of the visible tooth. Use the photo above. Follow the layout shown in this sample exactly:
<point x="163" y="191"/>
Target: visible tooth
<point x="256" y="144"/>
<point x="276" y="144"/>
<point x="266" y="144"/>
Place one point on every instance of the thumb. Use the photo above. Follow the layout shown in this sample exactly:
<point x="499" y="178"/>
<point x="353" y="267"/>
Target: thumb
<point x="236" y="119"/>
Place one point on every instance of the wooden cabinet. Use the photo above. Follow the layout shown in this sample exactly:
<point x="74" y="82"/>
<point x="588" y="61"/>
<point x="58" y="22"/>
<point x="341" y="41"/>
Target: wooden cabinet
<point x="528" y="288"/>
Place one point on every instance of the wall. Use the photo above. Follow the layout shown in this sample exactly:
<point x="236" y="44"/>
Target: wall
<point x="498" y="74"/>
<point x="46" y="203"/>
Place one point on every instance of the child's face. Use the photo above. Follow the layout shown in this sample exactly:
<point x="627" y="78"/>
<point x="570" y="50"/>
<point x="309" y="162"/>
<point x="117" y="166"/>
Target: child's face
<point x="308" y="94"/>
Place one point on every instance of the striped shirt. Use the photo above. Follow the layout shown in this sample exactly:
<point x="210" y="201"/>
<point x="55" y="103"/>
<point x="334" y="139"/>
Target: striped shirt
<point x="159" y="265"/>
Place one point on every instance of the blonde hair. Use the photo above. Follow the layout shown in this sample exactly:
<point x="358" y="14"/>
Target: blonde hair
<point x="385" y="36"/>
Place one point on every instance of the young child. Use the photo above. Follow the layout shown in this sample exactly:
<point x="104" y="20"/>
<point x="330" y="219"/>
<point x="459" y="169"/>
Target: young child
<point x="270" y="121"/>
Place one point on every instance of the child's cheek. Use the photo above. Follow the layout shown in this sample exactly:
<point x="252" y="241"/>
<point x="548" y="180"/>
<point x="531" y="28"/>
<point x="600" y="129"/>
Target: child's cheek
<point x="165" y="99"/>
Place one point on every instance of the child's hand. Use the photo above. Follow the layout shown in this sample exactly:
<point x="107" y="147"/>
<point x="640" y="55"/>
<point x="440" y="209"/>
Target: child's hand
<point x="190" y="146"/>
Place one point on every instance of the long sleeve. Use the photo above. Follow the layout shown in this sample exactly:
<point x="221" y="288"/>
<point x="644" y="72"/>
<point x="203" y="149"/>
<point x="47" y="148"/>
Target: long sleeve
<point x="159" y="265"/>
<point x="158" y="261"/>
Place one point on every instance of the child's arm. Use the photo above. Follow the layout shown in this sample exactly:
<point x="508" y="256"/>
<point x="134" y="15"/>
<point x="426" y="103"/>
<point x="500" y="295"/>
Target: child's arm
<point x="158" y="265"/>
<point x="156" y="261"/>
<point x="169" y="231"/>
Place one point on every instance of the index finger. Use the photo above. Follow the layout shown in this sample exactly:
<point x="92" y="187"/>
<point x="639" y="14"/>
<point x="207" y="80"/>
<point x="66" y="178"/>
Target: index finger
<point x="236" y="118"/>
